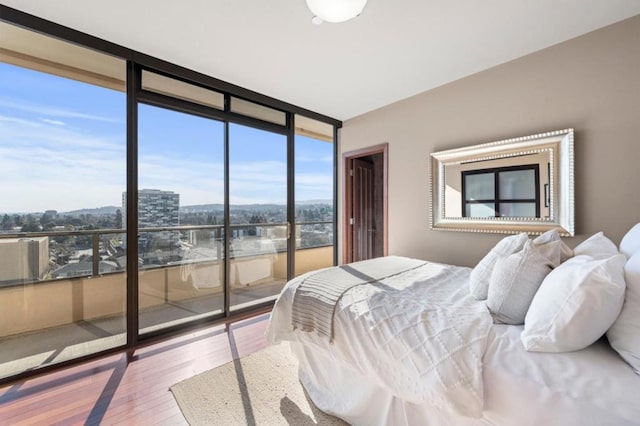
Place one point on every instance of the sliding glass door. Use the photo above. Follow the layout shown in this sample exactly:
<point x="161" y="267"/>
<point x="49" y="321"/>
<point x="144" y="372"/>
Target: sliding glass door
<point x="180" y="217"/>
<point x="258" y="229"/>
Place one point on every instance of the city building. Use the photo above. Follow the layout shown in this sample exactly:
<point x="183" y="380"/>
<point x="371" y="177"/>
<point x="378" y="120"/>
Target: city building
<point x="156" y="208"/>
<point x="23" y="260"/>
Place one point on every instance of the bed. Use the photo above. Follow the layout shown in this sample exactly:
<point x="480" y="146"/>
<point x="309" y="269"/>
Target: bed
<point x="406" y="342"/>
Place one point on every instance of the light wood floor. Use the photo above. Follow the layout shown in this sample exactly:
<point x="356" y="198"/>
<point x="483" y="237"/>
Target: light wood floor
<point x="111" y="391"/>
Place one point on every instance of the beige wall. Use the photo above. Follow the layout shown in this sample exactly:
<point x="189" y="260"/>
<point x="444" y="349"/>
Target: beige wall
<point x="591" y="83"/>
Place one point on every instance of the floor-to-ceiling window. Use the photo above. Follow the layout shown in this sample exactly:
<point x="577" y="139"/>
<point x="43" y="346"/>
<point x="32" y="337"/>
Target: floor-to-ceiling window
<point x="62" y="174"/>
<point x="131" y="207"/>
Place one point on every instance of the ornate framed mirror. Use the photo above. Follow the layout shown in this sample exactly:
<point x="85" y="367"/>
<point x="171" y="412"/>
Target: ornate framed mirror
<point x="523" y="184"/>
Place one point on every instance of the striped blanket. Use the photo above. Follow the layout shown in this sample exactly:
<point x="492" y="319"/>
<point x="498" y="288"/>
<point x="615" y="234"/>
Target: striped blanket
<point x="315" y="299"/>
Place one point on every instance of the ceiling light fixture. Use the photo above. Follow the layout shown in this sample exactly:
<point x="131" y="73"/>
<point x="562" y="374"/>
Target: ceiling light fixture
<point x="335" y="10"/>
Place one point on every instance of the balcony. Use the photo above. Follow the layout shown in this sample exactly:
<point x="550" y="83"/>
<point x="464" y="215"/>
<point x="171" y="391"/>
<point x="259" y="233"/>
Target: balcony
<point x="61" y="316"/>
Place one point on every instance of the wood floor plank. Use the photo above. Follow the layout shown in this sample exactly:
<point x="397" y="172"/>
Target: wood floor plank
<point x="112" y="391"/>
<point x="49" y="399"/>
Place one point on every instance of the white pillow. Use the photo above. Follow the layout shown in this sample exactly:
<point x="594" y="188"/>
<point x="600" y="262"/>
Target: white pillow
<point x="624" y="334"/>
<point x="516" y="278"/>
<point x="575" y="305"/>
<point x="480" y="275"/>
<point x="630" y="243"/>
<point x="551" y="236"/>
<point x="596" y="245"/>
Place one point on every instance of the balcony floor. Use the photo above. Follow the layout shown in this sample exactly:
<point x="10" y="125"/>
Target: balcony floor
<point x="116" y="390"/>
<point x="28" y="351"/>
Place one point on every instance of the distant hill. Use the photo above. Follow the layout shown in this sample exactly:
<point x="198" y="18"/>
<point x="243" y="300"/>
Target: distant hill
<point x="97" y="211"/>
<point x="202" y="208"/>
<point x="247" y="207"/>
<point x="220" y="207"/>
<point x="307" y="202"/>
<point x="197" y="208"/>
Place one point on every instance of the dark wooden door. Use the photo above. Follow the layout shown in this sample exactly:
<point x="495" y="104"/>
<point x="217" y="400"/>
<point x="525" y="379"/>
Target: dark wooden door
<point x="363" y="210"/>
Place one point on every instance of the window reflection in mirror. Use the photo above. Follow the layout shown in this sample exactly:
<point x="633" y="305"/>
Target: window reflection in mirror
<point x="504" y="187"/>
<point x="492" y="189"/>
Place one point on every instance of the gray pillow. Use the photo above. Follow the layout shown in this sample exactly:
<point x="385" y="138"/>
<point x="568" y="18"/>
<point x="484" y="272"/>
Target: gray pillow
<point x="480" y="275"/>
<point x="554" y="235"/>
<point x="515" y="280"/>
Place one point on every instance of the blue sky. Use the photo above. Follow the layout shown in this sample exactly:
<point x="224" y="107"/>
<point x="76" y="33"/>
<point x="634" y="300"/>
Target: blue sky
<point x="63" y="147"/>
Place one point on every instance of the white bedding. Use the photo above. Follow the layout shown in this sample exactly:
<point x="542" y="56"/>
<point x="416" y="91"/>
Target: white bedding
<point x="588" y="387"/>
<point x="417" y="334"/>
<point x="507" y="385"/>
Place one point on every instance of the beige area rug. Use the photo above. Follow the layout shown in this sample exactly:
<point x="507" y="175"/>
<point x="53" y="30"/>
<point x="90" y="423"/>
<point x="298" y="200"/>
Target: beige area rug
<point x="259" y="389"/>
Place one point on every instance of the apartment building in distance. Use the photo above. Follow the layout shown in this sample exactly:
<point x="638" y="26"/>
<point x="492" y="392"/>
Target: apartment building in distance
<point x="156" y="208"/>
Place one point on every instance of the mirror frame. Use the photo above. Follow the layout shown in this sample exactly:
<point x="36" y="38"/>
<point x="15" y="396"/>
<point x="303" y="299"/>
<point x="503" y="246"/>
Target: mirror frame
<point x="558" y="143"/>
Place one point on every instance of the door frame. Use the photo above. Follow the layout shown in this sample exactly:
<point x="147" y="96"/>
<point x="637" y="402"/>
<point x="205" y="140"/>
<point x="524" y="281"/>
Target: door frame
<point x="347" y="164"/>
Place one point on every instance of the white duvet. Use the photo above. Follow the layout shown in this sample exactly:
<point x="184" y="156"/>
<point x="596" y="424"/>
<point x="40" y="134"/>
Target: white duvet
<point x="418" y="334"/>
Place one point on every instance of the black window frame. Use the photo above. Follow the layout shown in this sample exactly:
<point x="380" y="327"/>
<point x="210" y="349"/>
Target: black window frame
<point x="496" y="200"/>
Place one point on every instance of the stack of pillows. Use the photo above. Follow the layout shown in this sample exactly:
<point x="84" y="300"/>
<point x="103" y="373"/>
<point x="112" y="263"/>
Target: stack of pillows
<point x="566" y="299"/>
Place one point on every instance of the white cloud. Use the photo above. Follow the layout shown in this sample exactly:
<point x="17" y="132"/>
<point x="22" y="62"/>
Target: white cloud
<point x="6" y="121"/>
<point x="54" y="122"/>
<point x="40" y="109"/>
<point x="314" y="186"/>
<point x="48" y="166"/>
<point x="18" y="132"/>
<point x="196" y="182"/>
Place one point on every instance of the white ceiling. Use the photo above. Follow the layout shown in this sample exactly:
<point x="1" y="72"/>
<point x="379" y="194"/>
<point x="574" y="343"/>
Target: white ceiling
<point x="393" y="50"/>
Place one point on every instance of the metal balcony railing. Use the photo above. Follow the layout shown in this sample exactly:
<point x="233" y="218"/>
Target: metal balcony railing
<point x="95" y="237"/>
